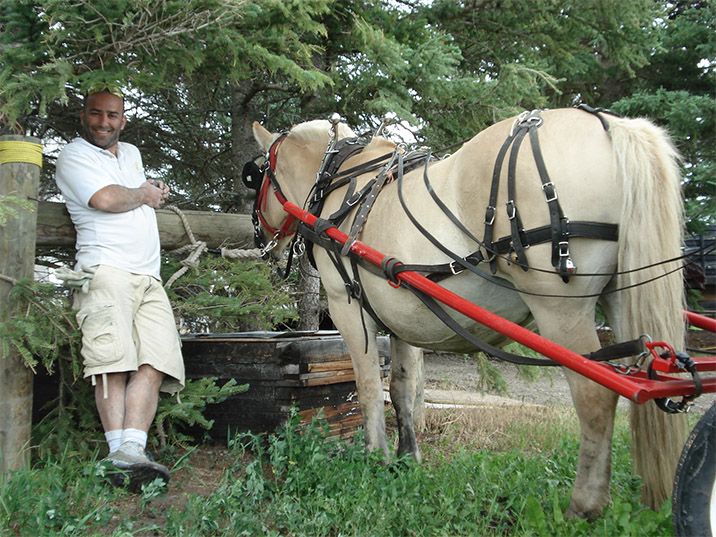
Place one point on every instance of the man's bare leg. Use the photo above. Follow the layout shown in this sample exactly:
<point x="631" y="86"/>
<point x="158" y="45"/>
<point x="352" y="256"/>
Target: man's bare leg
<point x="112" y="409"/>
<point x="141" y="398"/>
<point x="137" y="406"/>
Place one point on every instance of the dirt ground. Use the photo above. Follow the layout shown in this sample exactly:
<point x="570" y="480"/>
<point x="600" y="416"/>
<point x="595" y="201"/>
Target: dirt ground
<point x="456" y="377"/>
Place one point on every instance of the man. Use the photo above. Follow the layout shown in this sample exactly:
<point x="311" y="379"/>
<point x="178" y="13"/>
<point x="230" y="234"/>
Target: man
<point x="130" y="344"/>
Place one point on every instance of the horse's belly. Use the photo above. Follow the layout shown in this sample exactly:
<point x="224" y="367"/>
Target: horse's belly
<point x="414" y="323"/>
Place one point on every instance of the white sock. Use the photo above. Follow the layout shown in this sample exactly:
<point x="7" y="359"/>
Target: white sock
<point x="114" y="439"/>
<point x="134" y="435"/>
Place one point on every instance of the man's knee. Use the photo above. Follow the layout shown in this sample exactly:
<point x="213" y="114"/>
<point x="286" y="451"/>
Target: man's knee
<point x="149" y="374"/>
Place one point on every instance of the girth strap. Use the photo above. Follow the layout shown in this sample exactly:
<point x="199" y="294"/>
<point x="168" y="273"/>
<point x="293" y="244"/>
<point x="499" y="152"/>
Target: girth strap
<point x="611" y="352"/>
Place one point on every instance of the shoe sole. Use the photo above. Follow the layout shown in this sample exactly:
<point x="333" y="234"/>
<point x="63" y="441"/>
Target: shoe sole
<point x="135" y="475"/>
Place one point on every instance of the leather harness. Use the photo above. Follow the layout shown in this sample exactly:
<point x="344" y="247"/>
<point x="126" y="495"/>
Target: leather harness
<point x="330" y="179"/>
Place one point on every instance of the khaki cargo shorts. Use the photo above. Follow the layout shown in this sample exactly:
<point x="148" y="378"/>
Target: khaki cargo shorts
<point x="127" y="321"/>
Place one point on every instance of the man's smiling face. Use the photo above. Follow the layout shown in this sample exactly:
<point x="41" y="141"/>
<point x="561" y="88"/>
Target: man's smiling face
<point x="102" y="120"/>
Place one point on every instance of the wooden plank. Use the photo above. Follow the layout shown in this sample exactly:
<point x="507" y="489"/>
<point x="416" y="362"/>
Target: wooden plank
<point x="335" y="379"/>
<point x="330" y="366"/>
<point x="304" y="371"/>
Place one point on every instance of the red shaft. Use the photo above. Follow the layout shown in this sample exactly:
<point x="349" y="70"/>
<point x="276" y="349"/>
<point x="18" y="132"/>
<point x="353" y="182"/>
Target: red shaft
<point x="639" y="391"/>
<point x="700" y="321"/>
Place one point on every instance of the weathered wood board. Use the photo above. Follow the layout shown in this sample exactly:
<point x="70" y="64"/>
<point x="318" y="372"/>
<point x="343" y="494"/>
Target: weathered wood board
<point x="309" y="370"/>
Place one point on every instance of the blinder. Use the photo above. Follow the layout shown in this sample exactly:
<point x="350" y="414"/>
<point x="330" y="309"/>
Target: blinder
<point x="252" y="175"/>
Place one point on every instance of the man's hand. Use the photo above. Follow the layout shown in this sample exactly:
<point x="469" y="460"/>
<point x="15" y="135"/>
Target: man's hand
<point x="155" y="192"/>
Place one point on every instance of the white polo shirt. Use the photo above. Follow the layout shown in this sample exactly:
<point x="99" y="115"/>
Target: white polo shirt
<point x="128" y="240"/>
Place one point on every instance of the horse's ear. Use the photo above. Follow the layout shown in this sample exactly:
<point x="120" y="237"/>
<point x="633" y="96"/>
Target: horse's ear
<point x="262" y="136"/>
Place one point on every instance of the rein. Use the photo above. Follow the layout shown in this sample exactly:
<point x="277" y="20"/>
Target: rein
<point x="329" y="179"/>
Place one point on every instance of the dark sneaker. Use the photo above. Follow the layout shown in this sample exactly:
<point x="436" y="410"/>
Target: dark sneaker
<point x="132" y="468"/>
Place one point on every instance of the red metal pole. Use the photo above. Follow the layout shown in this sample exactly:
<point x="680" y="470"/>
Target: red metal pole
<point x="700" y="321"/>
<point x="638" y="390"/>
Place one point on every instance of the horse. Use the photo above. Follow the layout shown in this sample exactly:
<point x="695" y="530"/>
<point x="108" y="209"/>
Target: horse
<point x="620" y="173"/>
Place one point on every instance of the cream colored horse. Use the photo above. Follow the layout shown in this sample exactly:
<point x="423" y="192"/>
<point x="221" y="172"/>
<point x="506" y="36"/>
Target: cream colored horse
<point x="626" y="176"/>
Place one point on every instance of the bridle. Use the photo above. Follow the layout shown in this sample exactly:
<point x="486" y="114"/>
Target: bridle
<point x="261" y="179"/>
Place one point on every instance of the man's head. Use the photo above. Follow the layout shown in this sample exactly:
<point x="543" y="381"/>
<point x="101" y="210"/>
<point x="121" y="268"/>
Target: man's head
<point x="102" y="116"/>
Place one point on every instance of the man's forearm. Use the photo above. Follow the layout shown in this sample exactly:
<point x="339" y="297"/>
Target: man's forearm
<point x="117" y="199"/>
<point x="120" y="199"/>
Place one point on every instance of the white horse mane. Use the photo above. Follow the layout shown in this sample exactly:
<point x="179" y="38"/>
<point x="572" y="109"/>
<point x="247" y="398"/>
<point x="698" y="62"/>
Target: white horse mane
<point x="319" y="130"/>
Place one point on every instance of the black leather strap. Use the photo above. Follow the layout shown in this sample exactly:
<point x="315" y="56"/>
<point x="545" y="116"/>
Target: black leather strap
<point x="612" y="352"/>
<point x="511" y="206"/>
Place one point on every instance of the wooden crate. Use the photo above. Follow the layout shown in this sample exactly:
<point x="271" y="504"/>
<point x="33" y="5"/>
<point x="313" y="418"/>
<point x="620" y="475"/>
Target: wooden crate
<point x="309" y="370"/>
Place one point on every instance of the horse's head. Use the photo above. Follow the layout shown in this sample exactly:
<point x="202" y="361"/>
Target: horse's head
<point x="287" y="174"/>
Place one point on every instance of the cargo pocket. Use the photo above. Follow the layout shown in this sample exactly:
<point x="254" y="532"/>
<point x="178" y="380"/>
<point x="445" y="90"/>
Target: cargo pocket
<point x="101" y="344"/>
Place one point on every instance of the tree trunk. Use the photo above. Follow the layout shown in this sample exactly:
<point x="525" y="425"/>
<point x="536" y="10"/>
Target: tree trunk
<point x="243" y="145"/>
<point x="17" y="260"/>
<point x="309" y="299"/>
<point x="54" y="228"/>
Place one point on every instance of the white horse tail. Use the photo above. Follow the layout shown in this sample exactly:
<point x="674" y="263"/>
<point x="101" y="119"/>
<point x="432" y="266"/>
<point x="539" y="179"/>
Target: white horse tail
<point x="650" y="231"/>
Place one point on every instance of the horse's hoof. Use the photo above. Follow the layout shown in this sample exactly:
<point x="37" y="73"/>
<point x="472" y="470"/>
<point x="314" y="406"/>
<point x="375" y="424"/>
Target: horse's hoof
<point x="590" y="514"/>
<point x="413" y="454"/>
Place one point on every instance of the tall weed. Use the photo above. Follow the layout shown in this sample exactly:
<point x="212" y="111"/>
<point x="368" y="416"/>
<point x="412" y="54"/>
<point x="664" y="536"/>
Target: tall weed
<point x="300" y="482"/>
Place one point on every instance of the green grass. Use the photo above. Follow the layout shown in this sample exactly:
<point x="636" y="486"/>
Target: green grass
<point x="303" y="485"/>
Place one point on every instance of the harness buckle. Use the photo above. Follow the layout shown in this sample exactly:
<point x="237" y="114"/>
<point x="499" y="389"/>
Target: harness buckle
<point x="550" y="193"/>
<point x="489" y="215"/>
<point x="454" y="268"/>
<point x="563" y="249"/>
<point x="355" y="198"/>
<point x="511" y="209"/>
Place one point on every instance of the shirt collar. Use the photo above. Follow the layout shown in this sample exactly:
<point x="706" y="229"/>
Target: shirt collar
<point x="99" y="149"/>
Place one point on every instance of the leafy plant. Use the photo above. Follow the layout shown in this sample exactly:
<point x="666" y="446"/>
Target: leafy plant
<point x="41" y="326"/>
<point x="298" y="481"/>
<point x="227" y="295"/>
<point x="9" y="206"/>
<point x="187" y="410"/>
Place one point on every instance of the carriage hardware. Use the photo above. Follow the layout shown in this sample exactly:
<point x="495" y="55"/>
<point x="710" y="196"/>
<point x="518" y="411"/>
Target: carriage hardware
<point x="667" y="361"/>
<point x="672" y="361"/>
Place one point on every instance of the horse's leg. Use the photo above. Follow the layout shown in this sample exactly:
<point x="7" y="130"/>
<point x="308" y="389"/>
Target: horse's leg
<point x="570" y="323"/>
<point x="366" y="366"/>
<point x="405" y="376"/>
<point x="595" y="406"/>
<point x="419" y="403"/>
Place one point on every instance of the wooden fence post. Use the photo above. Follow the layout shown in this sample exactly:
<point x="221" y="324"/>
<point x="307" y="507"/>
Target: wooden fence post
<point x="20" y="163"/>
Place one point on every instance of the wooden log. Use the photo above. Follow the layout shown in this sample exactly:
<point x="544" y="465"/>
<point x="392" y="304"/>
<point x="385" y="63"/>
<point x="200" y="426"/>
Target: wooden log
<point x="55" y="229"/>
<point x="19" y="178"/>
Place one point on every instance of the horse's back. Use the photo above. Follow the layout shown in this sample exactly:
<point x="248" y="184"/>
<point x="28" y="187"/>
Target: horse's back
<point x="578" y="160"/>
